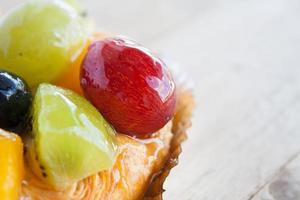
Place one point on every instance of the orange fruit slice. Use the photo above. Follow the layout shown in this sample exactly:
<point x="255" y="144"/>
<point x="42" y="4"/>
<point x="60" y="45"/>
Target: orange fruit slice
<point x="11" y="165"/>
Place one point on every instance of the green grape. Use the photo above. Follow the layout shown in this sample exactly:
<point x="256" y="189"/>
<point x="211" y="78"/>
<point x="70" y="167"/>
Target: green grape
<point x="40" y="39"/>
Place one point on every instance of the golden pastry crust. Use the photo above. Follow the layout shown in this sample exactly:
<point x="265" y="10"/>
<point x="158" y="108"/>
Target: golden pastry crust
<point x="181" y="122"/>
<point x="140" y="169"/>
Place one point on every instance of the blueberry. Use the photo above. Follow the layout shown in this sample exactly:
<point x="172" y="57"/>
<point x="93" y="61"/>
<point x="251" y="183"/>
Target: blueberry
<point x="15" y="102"/>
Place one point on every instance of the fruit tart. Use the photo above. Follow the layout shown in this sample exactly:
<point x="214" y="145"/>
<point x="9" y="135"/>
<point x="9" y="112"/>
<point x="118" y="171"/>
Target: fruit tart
<point x="83" y="115"/>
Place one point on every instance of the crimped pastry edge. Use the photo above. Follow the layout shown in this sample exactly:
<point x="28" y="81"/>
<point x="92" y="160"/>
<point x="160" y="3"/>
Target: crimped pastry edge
<point x="181" y="122"/>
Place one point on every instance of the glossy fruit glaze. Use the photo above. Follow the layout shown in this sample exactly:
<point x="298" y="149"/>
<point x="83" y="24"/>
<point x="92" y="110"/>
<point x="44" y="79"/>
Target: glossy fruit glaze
<point x="15" y="102"/>
<point x="130" y="86"/>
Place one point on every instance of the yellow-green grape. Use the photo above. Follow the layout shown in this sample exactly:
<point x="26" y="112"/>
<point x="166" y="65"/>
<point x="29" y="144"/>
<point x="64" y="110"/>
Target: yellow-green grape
<point x="71" y="139"/>
<point x="40" y="39"/>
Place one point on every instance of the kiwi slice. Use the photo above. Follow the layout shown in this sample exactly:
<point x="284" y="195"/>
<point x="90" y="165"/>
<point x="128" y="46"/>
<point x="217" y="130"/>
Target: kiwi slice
<point x="71" y="140"/>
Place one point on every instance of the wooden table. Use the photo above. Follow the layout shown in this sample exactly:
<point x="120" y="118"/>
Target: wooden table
<point x="242" y="59"/>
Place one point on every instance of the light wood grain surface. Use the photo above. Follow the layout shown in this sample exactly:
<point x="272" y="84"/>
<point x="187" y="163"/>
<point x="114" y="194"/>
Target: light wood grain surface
<point x="242" y="59"/>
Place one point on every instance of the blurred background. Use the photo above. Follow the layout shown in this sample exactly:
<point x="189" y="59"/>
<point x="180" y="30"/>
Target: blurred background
<point x="242" y="60"/>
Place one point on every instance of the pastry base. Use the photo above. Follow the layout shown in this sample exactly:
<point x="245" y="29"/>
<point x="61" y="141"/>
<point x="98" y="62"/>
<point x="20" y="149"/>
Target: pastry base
<point x="139" y="171"/>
